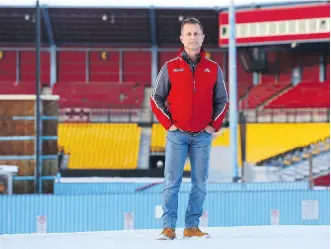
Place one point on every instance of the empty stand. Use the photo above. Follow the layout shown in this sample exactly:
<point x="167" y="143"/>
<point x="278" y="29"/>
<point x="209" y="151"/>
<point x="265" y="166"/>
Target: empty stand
<point x="245" y="79"/>
<point x="8" y="67"/>
<point x="81" y="95"/>
<point x="27" y="66"/>
<point x="327" y="68"/>
<point x="267" y="140"/>
<point x="285" y="65"/>
<point x="11" y="87"/>
<point x="100" y="95"/>
<point x="158" y="138"/>
<point x="300" y="171"/>
<point x="100" y="146"/>
<point x="299" y="154"/>
<point x="304" y="95"/>
<point x="104" y="70"/>
<point x="261" y="93"/>
<point x="310" y="67"/>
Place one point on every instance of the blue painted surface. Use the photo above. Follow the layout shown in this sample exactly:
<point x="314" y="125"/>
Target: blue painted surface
<point x="100" y="212"/>
<point x="33" y="118"/>
<point x="116" y="187"/>
<point x="24" y="138"/>
<point x="18" y="157"/>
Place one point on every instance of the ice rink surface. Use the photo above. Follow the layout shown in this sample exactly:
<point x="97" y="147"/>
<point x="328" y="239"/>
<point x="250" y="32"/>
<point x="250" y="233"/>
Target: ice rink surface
<point x="264" y="237"/>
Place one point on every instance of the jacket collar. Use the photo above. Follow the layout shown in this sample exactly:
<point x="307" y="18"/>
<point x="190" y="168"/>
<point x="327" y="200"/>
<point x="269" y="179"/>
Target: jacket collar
<point x="185" y="57"/>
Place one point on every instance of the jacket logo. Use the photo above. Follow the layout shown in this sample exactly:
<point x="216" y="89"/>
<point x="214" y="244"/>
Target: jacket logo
<point x="178" y="70"/>
<point x="207" y="70"/>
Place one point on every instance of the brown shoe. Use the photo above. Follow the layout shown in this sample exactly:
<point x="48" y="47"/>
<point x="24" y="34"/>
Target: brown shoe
<point x="195" y="232"/>
<point x="167" y="234"/>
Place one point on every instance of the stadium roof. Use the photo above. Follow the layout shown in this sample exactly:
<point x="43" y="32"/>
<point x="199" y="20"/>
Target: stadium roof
<point x="154" y="3"/>
<point x="107" y="24"/>
<point x="102" y="26"/>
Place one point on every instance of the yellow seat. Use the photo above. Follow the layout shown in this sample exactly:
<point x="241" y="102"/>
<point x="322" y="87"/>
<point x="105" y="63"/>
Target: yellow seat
<point x="268" y="140"/>
<point x="263" y="140"/>
<point x="100" y="146"/>
<point x="158" y="138"/>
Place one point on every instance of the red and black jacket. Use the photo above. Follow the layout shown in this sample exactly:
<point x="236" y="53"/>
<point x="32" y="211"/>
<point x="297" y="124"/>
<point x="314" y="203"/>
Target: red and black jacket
<point x="189" y="94"/>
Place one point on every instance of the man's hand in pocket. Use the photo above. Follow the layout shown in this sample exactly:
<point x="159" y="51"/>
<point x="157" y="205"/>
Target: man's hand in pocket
<point x="210" y="129"/>
<point x="173" y="128"/>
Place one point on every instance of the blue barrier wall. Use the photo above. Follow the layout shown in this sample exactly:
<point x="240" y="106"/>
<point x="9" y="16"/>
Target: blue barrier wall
<point x="100" y="212"/>
<point x="117" y="187"/>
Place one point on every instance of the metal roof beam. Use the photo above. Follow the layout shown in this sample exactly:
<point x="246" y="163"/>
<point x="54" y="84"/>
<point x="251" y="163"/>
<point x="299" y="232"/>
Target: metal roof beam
<point x="48" y="25"/>
<point x="152" y="24"/>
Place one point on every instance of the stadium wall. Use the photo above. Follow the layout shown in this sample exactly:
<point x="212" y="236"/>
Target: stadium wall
<point x="103" y="212"/>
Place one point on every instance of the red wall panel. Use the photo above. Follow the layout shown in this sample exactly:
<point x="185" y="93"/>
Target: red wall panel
<point x="310" y="65"/>
<point x="137" y="67"/>
<point x="71" y="66"/>
<point x="218" y="57"/>
<point x="270" y="78"/>
<point x="285" y="62"/>
<point x="327" y="78"/>
<point x="166" y="56"/>
<point x="104" y="70"/>
<point x="28" y="66"/>
<point x="8" y="66"/>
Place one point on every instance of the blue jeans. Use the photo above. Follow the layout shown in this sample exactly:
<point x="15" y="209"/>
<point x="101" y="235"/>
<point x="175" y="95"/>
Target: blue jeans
<point x="179" y="146"/>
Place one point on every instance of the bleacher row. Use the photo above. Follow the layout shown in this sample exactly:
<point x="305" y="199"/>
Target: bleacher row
<point x="266" y="140"/>
<point x="100" y="146"/>
<point x="299" y="154"/>
<point x="120" y="83"/>
<point x="81" y="95"/>
<point x="130" y="94"/>
<point x="116" y="146"/>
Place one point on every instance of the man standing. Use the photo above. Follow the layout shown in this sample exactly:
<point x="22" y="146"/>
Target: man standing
<point x="190" y="101"/>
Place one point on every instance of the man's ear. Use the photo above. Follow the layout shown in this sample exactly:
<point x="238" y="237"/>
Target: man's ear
<point x="181" y="38"/>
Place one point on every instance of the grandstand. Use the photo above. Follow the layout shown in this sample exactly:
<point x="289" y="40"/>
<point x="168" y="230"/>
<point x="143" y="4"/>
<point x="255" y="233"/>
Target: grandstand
<point x="102" y="63"/>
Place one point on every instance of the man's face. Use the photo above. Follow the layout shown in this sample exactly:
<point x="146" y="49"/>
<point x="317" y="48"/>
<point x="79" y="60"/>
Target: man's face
<point x="192" y="36"/>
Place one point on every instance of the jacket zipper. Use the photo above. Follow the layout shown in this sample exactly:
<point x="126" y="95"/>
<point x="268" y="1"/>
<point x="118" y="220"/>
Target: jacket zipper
<point x="194" y="90"/>
<point x="194" y="78"/>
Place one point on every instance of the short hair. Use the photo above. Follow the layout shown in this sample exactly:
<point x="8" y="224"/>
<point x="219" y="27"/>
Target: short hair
<point x="191" y="20"/>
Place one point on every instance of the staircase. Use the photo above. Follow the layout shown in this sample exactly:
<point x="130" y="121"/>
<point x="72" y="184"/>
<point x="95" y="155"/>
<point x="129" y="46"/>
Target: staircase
<point x="144" y="148"/>
<point x="146" y="115"/>
<point x="145" y="120"/>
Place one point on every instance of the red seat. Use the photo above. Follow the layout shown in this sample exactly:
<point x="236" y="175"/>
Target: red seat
<point x="261" y="93"/>
<point x="100" y="95"/>
<point x="304" y="95"/>
<point x="17" y="88"/>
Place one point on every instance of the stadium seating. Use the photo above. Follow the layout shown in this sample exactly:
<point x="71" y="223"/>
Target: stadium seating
<point x="158" y="138"/>
<point x="301" y="171"/>
<point x="261" y="93"/>
<point x="267" y="140"/>
<point x="311" y="72"/>
<point x="304" y="95"/>
<point x="99" y="95"/>
<point x="24" y="87"/>
<point x="100" y="146"/>
<point x="81" y="95"/>
<point x="299" y="154"/>
<point x="327" y="73"/>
